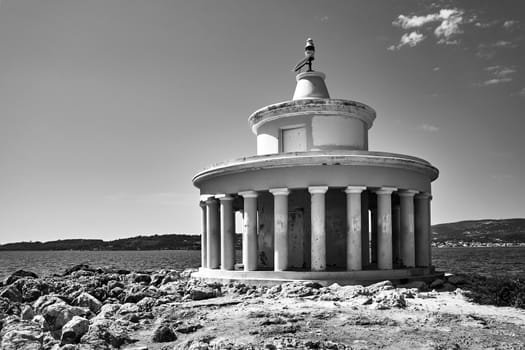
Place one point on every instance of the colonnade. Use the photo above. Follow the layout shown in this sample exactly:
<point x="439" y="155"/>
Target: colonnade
<point x="402" y="232"/>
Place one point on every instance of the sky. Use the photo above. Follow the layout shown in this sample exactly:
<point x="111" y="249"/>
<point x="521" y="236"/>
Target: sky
<point x="109" y="108"/>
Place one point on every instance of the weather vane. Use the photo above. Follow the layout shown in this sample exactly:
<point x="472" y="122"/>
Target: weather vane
<point x="309" y="51"/>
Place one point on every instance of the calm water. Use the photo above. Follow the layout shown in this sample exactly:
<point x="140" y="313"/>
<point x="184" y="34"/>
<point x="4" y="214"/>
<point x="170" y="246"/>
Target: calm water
<point x="488" y="261"/>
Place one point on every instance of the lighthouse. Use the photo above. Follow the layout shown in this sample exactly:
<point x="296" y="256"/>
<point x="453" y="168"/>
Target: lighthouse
<point x="316" y="203"/>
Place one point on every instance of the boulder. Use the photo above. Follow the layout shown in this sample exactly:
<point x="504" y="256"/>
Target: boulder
<point x="27" y="313"/>
<point x="437" y="283"/>
<point x="388" y="299"/>
<point x="105" y="333"/>
<point x="116" y="292"/>
<point x="142" y="278"/>
<point x="12" y="293"/>
<point x="19" y="274"/>
<point x="457" y="280"/>
<point x="74" y="330"/>
<point x="200" y="293"/>
<point x="114" y="284"/>
<point x="57" y="315"/>
<point x="163" y="334"/>
<point x="187" y="272"/>
<point x="8" y="307"/>
<point x="89" y="301"/>
<point x="420" y="285"/>
<point x="380" y="286"/>
<point x="79" y="267"/>
<point x="131" y="297"/>
<point x="46" y="300"/>
<point x="108" y="310"/>
<point x="17" y="334"/>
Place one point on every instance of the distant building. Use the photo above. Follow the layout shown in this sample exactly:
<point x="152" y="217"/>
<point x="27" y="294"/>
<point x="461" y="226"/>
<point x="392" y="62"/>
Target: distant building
<point x="316" y="204"/>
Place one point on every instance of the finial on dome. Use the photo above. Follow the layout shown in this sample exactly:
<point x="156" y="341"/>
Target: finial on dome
<point x="309" y="51"/>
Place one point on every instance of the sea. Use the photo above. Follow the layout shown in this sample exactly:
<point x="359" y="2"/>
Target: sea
<point x="502" y="262"/>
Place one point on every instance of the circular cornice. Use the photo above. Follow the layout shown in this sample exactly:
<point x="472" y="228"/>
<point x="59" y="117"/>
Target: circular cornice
<point x="321" y="158"/>
<point x="317" y="106"/>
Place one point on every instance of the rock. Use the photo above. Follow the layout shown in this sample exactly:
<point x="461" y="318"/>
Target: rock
<point x="187" y="272"/>
<point x="146" y="304"/>
<point x="103" y="333"/>
<point x="19" y="274"/>
<point x="79" y="267"/>
<point x="114" y="284"/>
<point x="8" y="307"/>
<point x="116" y="292"/>
<point x="46" y="300"/>
<point x="131" y="297"/>
<point x="108" y="310"/>
<point x="185" y="329"/>
<point x="164" y="334"/>
<point x="100" y="293"/>
<point x="12" y="293"/>
<point x="128" y="308"/>
<point x="89" y="301"/>
<point x="27" y="313"/>
<point x="388" y="299"/>
<point x="457" y="280"/>
<point x="420" y="285"/>
<point x="57" y="315"/>
<point x="380" y="286"/>
<point x="21" y="335"/>
<point x="447" y="287"/>
<point x="74" y="330"/>
<point x="436" y="284"/>
<point x="349" y="292"/>
<point x="200" y="293"/>
<point x="142" y="278"/>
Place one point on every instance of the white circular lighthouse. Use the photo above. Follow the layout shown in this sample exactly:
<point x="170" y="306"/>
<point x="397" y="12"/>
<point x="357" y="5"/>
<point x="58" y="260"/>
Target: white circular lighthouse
<point x="316" y="203"/>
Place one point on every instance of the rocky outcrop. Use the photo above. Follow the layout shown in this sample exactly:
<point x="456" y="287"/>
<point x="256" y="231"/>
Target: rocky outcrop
<point x="74" y="330"/>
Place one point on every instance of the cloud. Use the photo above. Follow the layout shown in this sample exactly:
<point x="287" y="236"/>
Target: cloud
<point x="499" y="75"/>
<point x="486" y="24"/>
<point x="411" y="39"/>
<point x="435" y="69"/>
<point x="522" y="92"/>
<point x="428" y="128"/>
<point x="510" y="24"/>
<point x="449" y="26"/>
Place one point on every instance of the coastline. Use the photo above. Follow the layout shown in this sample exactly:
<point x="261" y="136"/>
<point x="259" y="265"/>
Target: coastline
<point x="98" y="308"/>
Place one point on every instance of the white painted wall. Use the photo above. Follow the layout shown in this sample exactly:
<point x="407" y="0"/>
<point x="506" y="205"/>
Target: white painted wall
<point x="267" y="144"/>
<point x="338" y="132"/>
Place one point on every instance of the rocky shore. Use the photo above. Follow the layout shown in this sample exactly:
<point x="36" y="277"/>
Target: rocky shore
<point x="94" y="308"/>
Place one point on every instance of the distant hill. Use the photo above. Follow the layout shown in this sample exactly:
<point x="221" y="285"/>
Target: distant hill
<point x="155" y="242"/>
<point x="479" y="231"/>
<point x="483" y="231"/>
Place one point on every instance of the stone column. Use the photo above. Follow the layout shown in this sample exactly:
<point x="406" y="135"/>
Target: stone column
<point x="365" y="231"/>
<point x="407" y="243"/>
<point x="353" y="227"/>
<point x="249" y="234"/>
<point x="422" y="229"/>
<point x="396" y="227"/>
<point x="227" y="232"/>
<point x="384" y="227"/>
<point x="318" y="245"/>
<point x="213" y="231"/>
<point x="280" y="228"/>
<point x="204" y="240"/>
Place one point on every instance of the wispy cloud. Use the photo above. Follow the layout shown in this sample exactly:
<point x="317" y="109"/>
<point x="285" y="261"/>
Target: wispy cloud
<point x="411" y="39"/>
<point x="510" y="24"/>
<point x="435" y="69"/>
<point x="498" y="75"/>
<point x="522" y="92"/>
<point x="446" y="31"/>
<point x="428" y="128"/>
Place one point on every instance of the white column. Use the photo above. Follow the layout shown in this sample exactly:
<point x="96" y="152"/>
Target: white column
<point x="384" y="227"/>
<point x="204" y="240"/>
<point x="280" y="228"/>
<point x="365" y="231"/>
<point x="249" y="234"/>
<point x="422" y="229"/>
<point x="318" y="245"/>
<point x="407" y="245"/>
<point x="213" y="231"/>
<point x="353" y="227"/>
<point x="227" y="232"/>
